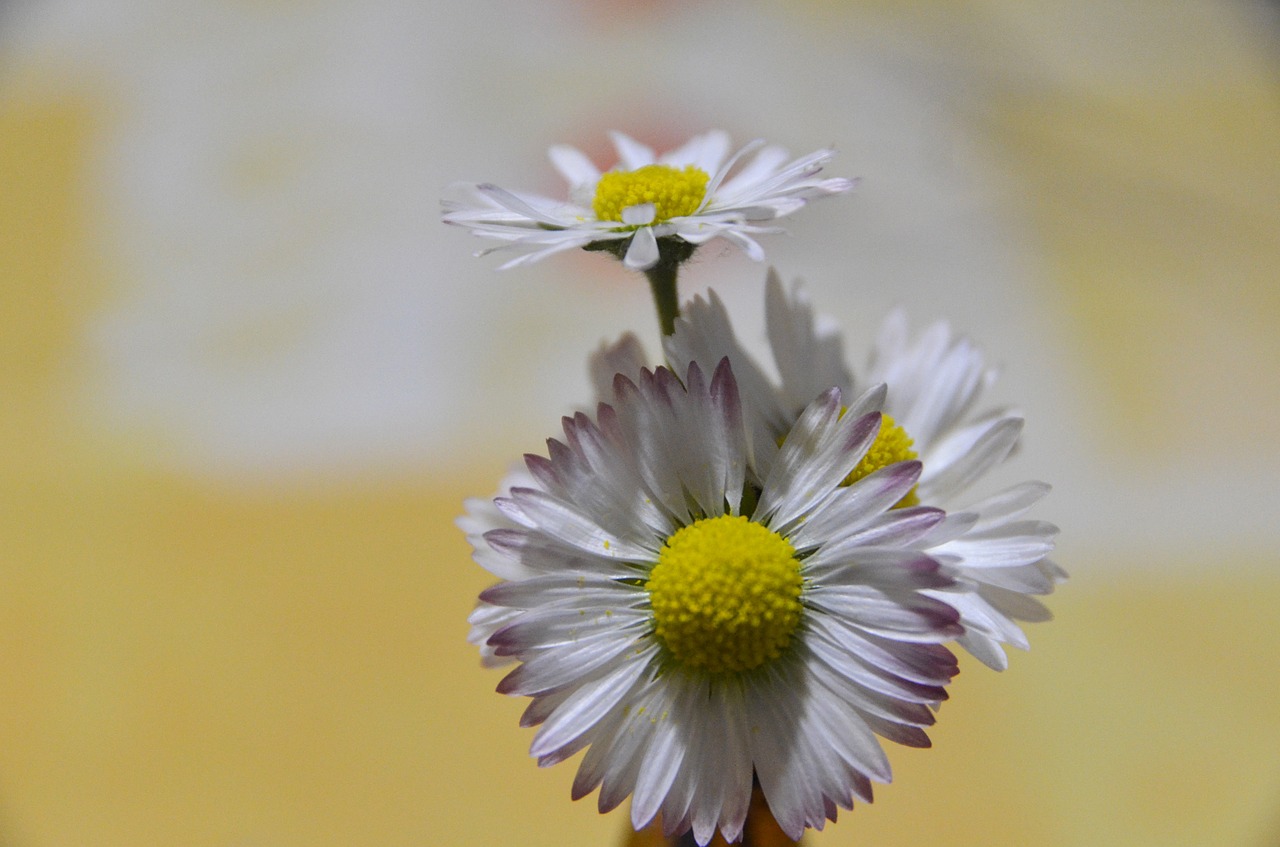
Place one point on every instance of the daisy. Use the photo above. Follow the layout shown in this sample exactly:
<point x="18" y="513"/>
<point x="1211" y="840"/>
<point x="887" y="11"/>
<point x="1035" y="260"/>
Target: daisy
<point x="697" y="625"/>
<point x="648" y="209"/>
<point x="933" y="414"/>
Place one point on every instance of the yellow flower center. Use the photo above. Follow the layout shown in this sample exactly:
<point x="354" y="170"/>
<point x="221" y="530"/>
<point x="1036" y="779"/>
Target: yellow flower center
<point x="892" y="444"/>
<point x="673" y="192"/>
<point x="725" y="594"/>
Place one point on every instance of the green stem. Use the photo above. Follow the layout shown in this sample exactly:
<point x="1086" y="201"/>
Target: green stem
<point x="662" y="282"/>
<point x="662" y="276"/>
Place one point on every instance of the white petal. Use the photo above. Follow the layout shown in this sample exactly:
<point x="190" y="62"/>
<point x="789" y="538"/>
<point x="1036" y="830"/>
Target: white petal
<point x="643" y="253"/>
<point x="1009" y="504"/>
<point x="808" y="361"/>
<point x="1004" y="546"/>
<point x="664" y="753"/>
<point x="573" y="165"/>
<point x="631" y="153"/>
<point x="539" y="209"/>
<point x="989" y="449"/>
<point x="641" y="214"/>
<point x="705" y="152"/>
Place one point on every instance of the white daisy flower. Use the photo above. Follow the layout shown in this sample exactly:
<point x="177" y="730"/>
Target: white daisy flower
<point x="697" y="624"/>
<point x="682" y="199"/>
<point x="932" y="414"/>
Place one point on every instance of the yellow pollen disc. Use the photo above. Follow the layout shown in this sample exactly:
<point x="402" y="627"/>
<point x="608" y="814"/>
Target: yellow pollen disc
<point x="673" y="192"/>
<point x="725" y="594"/>
<point x="892" y="444"/>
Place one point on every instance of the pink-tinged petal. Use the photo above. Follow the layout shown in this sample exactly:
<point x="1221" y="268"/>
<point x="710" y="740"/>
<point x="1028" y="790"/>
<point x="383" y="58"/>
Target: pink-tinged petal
<point x="818" y="453"/>
<point x="842" y="731"/>
<point x="704" y="334"/>
<point x="927" y="664"/>
<point x="546" y="671"/>
<point x="562" y="589"/>
<point x="732" y="437"/>
<point x="536" y="554"/>
<point x="571" y="526"/>
<point x="953" y="526"/>
<point x="907" y="736"/>
<point x="857" y="680"/>
<point x="850" y="508"/>
<point x="559" y="627"/>
<point x="905" y="618"/>
<point x="579" y="714"/>
<point x="541" y="706"/>
<point x="856" y="743"/>
<point x="485" y="620"/>
<point x="871" y="400"/>
<point x="897" y="528"/>
<point x="884" y="569"/>
<point x="709" y="431"/>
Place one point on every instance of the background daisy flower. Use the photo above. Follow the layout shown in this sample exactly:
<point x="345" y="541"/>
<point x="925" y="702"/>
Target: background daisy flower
<point x="696" y="629"/>
<point x="932" y="414"/>
<point x="681" y="199"/>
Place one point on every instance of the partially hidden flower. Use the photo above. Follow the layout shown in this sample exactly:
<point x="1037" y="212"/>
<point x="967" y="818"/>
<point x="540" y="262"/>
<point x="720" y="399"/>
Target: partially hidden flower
<point x="681" y="200"/>
<point x="698" y="622"/>
<point x="933" y="413"/>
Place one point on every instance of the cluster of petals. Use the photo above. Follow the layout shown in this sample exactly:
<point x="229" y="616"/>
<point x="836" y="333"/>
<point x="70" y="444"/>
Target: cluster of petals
<point x="934" y="384"/>
<point x="575" y="533"/>
<point x="738" y="204"/>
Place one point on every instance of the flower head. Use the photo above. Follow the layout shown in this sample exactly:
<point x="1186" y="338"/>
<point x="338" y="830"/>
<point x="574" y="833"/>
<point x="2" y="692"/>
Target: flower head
<point x="682" y="199"/>
<point x="932" y="413"/>
<point x="694" y="620"/>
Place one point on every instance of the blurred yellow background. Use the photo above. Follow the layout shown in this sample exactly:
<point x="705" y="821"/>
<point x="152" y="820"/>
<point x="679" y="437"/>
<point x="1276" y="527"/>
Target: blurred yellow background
<point x="247" y="380"/>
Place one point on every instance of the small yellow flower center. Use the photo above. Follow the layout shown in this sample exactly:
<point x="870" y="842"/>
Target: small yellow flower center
<point x="725" y="594"/>
<point x="673" y="192"/>
<point x="892" y="444"/>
